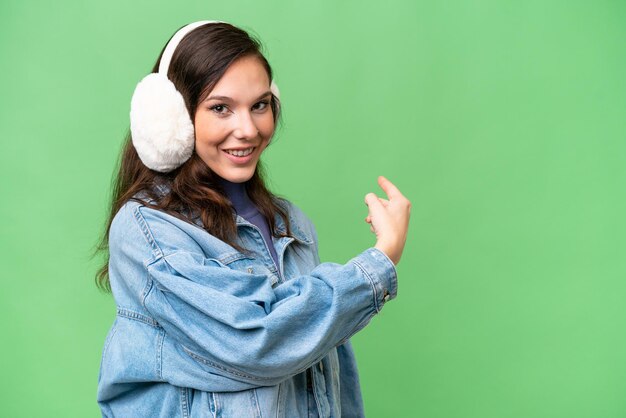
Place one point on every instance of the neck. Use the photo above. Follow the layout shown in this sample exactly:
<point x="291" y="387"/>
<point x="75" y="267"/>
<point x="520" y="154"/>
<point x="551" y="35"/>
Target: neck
<point x="238" y="196"/>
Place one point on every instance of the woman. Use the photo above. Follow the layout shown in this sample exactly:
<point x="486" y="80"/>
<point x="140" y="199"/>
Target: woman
<point x="223" y="307"/>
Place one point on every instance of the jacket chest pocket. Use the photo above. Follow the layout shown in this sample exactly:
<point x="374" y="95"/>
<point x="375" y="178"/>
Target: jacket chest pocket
<point x="248" y="265"/>
<point x="234" y="274"/>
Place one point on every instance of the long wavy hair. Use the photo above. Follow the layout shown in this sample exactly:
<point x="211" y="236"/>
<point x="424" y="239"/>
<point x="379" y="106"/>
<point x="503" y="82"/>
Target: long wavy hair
<point x="200" y="60"/>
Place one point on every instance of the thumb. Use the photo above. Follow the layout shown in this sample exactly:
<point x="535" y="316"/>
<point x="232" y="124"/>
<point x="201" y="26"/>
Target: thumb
<point x="372" y="201"/>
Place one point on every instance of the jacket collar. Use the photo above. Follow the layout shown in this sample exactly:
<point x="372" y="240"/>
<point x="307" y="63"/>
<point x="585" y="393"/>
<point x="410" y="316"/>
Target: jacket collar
<point x="296" y="231"/>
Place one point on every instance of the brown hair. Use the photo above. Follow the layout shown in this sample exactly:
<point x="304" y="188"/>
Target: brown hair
<point x="200" y="60"/>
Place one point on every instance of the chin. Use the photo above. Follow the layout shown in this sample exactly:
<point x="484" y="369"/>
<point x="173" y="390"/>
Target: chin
<point x="237" y="177"/>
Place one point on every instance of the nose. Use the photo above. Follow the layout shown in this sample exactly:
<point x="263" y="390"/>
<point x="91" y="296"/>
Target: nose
<point x="246" y="126"/>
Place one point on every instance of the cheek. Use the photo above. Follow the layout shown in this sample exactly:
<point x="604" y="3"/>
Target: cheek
<point x="267" y="126"/>
<point x="208" y="133"/>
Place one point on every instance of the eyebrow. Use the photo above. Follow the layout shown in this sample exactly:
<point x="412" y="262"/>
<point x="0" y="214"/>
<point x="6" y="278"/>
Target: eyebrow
<point x="229" y="99"/>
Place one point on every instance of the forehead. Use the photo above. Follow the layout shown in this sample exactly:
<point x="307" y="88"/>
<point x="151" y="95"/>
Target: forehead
<point x="244" y="79"/>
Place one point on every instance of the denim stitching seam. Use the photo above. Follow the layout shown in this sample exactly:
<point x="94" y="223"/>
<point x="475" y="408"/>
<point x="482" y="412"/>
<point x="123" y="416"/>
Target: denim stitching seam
<point x="218" y="366"/>
<point x="127" y="313"/>
<point x="371" y="282"/>
<point x="159" y="353"/>
<point x="255" y="401"/>
<point x="143" y="225"/>
<point x="183" y="402"/>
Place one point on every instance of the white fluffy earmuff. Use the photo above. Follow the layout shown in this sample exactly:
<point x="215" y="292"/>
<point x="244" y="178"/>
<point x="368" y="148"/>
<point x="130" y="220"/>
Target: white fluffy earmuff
<point x="161" y="128"/>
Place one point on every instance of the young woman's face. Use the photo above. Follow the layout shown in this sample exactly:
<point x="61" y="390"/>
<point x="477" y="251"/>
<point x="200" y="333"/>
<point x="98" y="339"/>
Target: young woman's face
<point x="236" y="118"/>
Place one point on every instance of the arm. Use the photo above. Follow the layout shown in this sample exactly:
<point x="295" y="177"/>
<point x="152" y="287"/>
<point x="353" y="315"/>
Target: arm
<point x="234" y="322"/>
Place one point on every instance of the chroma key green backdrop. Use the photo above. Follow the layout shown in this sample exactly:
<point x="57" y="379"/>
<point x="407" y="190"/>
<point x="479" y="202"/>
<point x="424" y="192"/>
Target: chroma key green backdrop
<point x="504" y="123"/>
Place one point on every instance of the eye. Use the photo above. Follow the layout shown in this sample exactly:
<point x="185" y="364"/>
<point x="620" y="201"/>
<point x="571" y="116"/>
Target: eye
<point x="219" y="108"/>
<point x="263" y="104"/>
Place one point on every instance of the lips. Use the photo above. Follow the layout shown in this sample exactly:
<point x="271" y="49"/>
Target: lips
<point x="240" y="160"/>
<point x="238" y="151"/>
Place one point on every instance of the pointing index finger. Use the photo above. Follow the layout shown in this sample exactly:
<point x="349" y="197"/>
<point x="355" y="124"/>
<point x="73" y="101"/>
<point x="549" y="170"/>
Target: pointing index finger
<point x="389" y="188"/>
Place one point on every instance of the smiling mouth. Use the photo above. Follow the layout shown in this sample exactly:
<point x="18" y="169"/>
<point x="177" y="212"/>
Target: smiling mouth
<point x="240" y="153"/>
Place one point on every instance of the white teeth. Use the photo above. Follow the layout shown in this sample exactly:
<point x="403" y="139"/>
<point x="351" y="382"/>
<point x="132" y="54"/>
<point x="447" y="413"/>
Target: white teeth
<point x="241" y="153"/>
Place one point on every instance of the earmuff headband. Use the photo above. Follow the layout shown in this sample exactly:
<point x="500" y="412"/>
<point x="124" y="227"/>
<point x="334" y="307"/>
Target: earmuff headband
<point x="173" y="43"/>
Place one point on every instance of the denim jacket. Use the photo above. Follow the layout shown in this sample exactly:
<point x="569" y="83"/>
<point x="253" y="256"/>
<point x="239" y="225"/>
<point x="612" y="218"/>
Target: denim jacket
<point x="204" y="330"/>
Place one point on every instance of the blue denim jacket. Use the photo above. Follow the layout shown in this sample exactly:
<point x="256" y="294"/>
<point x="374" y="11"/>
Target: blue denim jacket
<point x="203" y="330"/>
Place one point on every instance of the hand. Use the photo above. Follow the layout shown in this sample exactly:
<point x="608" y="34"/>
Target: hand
<point x="389" y="219"/>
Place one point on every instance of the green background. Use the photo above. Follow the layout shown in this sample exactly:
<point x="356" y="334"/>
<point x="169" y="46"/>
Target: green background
<point x="502" y="121"/>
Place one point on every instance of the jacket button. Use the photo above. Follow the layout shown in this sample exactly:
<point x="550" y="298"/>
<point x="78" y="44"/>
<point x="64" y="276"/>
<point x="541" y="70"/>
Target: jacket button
<point x="250" y="270"/>
<point x="386" y="295"/>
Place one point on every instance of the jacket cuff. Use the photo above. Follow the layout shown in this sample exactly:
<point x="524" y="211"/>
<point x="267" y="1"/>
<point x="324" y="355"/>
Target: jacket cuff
<point x="381" y="272"/>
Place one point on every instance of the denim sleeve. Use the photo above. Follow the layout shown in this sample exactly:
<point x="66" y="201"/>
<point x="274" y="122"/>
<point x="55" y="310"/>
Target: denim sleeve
<point x="242" y="326"/>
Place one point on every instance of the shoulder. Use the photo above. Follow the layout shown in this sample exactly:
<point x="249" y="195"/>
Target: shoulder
<point x="291" y="208"/>
<point x="154" y="232"/>
<point x="124" y="223"/>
